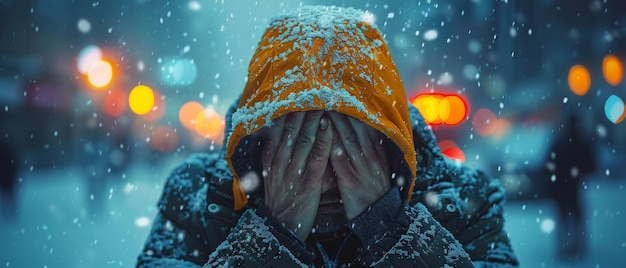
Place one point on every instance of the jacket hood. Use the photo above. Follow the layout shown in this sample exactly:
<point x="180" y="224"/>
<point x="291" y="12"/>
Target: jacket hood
<point x="320" y="58"/>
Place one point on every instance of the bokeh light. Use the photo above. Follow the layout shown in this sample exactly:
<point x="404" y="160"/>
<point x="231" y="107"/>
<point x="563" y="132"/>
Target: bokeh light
<point x="484" y="122"/>
<point x="445" y="79"/>
<point x="194" y="5"/>
<point x="494" y="85"/>
<point x="547" y="225"/>
<point x="579" y="80"/>
<point x="83" y="25"/>
<point x="178" y="71"/>
<point x="470" y="71"/>
<point x="141" y="99"/>
<point x="142" y="222"/>
<point x="209" y="124"/>
<point x="451" y="150"/>
<point x="454" y="153"/>
<point x="503" y="126"/>
<point x="445" y="144"/>
<point x="612" y="70"/>
<point x="431" y="35"/>
<point x="441" y="109"/>
<point x="453" y="110"/>
<point x="614" y="109"/>
<point x="188" y="113"/>
<point x="87" y="57"/>
<point x="115" y="102"/>
<point x="158" y="109"/>
<point x="100" y="74"/>
<point x="164" y="139"/>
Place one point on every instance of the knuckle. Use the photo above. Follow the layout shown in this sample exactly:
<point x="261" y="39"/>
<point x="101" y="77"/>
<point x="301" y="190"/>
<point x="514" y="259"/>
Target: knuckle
<point x="336" y="141"/>
<point x="266" y="157"/>
<point x="318" y="152"/>
<point x="291" y="123"/>
<point x="351" y="138"/>
<point x="290" y="126"/>
<point x="268" y="151"/>
<point x="305" y="138"/>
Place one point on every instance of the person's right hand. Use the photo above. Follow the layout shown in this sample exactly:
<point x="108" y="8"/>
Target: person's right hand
<point x="294" y="159"/>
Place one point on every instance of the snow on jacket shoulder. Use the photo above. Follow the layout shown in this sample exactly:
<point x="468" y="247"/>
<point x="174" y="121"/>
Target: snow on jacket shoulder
<point x="196" y="220"/>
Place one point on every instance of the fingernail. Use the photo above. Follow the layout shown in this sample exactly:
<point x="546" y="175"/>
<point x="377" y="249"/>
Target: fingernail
<point x="338" y="152"/>
<point x="323" y="123"/>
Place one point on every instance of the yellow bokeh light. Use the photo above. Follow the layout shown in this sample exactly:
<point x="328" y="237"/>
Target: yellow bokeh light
<point x="612" y="70"/>
<point x="158" y="109"/>
<point x="441" y="109"/>
<point x="579" y="80"/>
<point x="431" y="109"/>
<point x="141" y="99"/>
<point x="100" y="74"/>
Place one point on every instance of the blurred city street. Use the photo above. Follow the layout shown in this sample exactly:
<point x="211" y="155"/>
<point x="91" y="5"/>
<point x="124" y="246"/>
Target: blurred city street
<point x="54" y="229"/>
<point x="99" y="101"/>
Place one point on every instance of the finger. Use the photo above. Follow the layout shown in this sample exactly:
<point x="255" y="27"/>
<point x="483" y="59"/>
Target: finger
<point x="284" y="152"/>
<point x="271" y="143"/>
<point x="379" y="141"/>
<point x="319" y="155"/>
<point x="341" y="163"/>
<point x="268" y="153"/>
<point x="369" y="141"/>
<point x="362" y="132"/>
<point x="349" y="139"/>
<point x="304" y="143"/>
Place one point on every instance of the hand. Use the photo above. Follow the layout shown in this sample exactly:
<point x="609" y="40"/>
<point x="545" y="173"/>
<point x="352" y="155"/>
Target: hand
<point x="294" y="158"/>
<point x="359" y="160"/>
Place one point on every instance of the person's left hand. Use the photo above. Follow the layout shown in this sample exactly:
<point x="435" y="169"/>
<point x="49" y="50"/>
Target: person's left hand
<point x="359" y="160"/>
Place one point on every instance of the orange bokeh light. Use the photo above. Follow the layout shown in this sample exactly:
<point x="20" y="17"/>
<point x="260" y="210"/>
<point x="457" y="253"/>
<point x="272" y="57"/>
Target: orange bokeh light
<point x="188" y="113"/>
<point x="440" y="108"/>
<point x="503" y="126"/>
<point x="612" y="70"/>
<point x="579" y="80"/>
<point x="209" y="124"/>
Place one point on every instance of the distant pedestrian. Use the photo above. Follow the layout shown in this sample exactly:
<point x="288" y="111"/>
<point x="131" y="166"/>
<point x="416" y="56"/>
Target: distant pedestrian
<point x="8" y="179"/>
<point x="571" y="158"/>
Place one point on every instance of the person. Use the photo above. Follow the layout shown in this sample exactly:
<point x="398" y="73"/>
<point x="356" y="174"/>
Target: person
<point x="8" y="180"/>
<point x="326" y="164"/>
<point x="570" y="159"/>
<point x="102" y="156"/>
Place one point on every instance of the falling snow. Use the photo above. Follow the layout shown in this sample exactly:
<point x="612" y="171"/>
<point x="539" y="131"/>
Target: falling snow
<point x="91" y="169"/>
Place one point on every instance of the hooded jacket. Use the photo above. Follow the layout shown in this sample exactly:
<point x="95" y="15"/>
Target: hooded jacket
<point x="328" y="58"/>
<point x="322" y="58"/>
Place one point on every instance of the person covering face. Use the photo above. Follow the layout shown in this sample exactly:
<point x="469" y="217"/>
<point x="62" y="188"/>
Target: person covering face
<point x="326" y="164"/>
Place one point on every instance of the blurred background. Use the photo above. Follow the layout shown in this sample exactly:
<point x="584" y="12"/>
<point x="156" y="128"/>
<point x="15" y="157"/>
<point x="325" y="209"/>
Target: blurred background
<point x="100" y="100"/>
